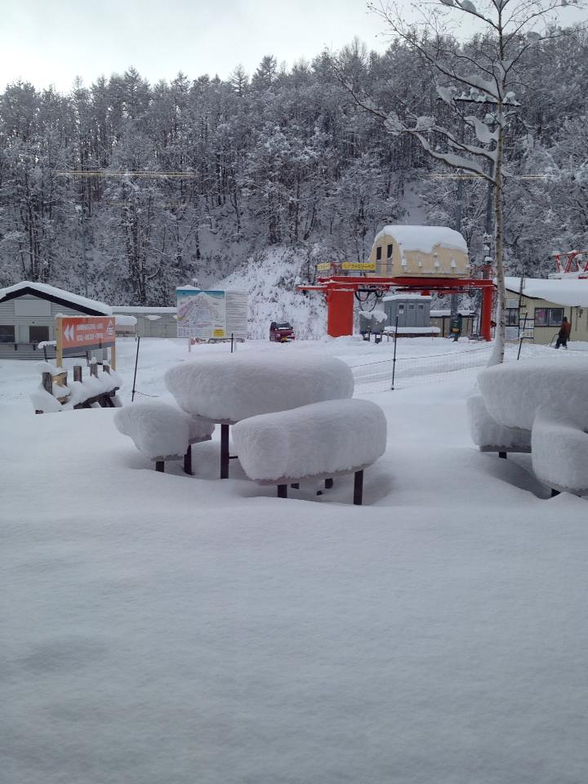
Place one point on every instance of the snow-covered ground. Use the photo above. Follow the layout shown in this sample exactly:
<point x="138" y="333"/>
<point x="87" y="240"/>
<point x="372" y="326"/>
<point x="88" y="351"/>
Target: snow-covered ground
<point x="165" y="628"/>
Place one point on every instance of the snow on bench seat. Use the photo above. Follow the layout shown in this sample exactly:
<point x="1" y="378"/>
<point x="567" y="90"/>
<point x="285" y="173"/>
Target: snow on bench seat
<point x="314" y="441"/>
<point x="550" y="399"/>
<point x="560" y="452"/>
<point x="160" y="431"/>
<point x="491" y="436"/>
<point x="232" y="387"/>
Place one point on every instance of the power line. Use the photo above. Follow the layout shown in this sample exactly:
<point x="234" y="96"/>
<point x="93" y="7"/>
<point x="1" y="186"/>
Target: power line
<point x="103" y="173"/>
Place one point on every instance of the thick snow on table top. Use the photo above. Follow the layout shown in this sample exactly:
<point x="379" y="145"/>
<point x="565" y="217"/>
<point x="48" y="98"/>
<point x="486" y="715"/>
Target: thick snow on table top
<point x="165" y="628"/>
<point x="236" y="386"/>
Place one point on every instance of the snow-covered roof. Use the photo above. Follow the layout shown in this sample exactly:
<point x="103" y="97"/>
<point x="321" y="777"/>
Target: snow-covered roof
<point x="424" y="238"/>
<point x="140" y="310"/>
<point x="391" y="297"/>
<point x="572" y="292"/>
<point x="27" y="286"/>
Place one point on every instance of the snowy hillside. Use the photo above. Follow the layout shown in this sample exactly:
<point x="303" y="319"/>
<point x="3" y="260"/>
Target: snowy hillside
<point x="271" y="278"/>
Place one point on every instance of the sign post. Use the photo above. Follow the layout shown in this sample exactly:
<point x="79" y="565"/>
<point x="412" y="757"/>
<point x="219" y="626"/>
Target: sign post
<point x="85" y="333"/>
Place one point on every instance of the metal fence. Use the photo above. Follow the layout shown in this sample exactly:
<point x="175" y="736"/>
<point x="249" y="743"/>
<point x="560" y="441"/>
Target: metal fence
<point x="377" y="376"/>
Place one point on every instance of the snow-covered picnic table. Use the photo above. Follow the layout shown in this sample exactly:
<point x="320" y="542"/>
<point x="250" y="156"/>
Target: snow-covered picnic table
<point x="227" y="388"/>
<point x="538" y="406"/>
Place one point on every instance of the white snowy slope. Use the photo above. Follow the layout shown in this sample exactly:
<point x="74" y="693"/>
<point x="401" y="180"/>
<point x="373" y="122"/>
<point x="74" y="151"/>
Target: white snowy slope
<point x="166" y="628"/>
<point x="271" y="279"/>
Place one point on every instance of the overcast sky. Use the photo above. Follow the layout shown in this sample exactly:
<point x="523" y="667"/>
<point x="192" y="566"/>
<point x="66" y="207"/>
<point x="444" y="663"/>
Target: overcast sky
<point x="51" y="41"/>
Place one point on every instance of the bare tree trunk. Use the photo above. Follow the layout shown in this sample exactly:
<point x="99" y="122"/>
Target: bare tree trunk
<point x="497" y="355"/>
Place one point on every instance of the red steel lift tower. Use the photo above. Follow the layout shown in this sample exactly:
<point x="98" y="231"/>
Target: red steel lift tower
<point x="339" y="291"/>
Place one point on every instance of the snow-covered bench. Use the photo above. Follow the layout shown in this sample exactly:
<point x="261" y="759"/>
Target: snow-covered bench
<point x="162" y="432"/>
<point x="317" y="441"/>
<point x="228" y="388"/>
<point x="55" y="393"/>
<point x="491" y="436"/>
<point x="549" y="399"/>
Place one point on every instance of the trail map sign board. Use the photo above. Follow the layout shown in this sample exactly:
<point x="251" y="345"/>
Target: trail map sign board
<point x="78" y="334"/>
<point x="211" y="315"/>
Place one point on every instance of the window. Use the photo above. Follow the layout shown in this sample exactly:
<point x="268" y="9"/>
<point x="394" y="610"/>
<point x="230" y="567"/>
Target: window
<point x="6" y="334"/>
<point x="379" y="253"/>
<point x="548" y="317"/>
<point x="37" y="334"/>
<point x="389" y="251"/>
<point x="401" y="308"/>
<point x="555" y="317"/>
<point x="512" y="317"/>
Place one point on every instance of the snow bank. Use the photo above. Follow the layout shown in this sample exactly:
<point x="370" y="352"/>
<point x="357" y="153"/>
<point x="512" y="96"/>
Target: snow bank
<point x="560" y="452"/>
<point x="513" y="392"/>
<point x="322" y="438"/>
<point x="158" y="430"/>
<point x="487" y="433"/>
<point x="236" y="386"/>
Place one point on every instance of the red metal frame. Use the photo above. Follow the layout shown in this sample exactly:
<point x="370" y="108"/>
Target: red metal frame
<point x="339" y="291"/>
<point x="572" y="262"/>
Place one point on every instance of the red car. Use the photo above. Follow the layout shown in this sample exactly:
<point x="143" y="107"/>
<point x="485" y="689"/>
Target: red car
<point x="281" y="332"/>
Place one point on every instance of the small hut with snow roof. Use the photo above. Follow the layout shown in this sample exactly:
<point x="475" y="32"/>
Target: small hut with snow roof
<point x="419" y="251"/>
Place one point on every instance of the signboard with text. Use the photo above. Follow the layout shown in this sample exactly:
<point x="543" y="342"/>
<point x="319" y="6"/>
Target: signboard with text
<point x="359" y="266"/>
<point x="211" y="315"/>
<point x="77" y="334"/>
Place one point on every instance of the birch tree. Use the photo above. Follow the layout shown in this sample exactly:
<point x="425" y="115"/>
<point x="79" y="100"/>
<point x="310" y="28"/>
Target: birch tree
<point x="484" y="74"/>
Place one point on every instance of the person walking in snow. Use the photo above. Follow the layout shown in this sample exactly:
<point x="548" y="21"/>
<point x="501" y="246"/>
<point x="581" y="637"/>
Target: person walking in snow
<point x="563" y="334"/>
<point x="456" y="327"/>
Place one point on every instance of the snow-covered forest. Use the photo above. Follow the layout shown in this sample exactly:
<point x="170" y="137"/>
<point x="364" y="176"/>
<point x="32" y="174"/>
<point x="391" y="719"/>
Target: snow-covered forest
<point x="124" y="189"/>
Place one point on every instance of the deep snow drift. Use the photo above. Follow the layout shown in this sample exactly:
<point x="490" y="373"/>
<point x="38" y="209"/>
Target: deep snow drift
<point x="166" y="628"/>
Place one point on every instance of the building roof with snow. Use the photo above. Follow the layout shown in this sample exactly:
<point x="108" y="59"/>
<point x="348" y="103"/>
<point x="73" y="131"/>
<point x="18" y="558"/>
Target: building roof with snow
<point x="53" y="294"/>
<point x="424" y="238"/>
<point x="144" y="310"/>
<point x="572" y="292"/>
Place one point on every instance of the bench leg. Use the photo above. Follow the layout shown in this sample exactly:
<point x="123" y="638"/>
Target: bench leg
<point x="358" y="488"/>
<point x="188" y="460"/>
<point x="160" y="466"/>
<point x="224" y="454"/>
<point x="328" y="483"/>
<point x="282" y="491"/>
<point x="502" y="455"/>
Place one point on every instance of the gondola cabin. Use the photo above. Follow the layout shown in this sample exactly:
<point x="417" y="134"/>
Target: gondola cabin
<point x="419" y="251"/>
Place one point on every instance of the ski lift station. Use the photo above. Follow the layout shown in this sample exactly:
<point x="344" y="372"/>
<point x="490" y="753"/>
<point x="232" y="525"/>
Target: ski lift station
<point x="409" y="259"/>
